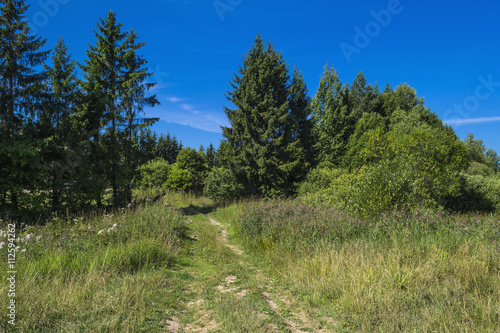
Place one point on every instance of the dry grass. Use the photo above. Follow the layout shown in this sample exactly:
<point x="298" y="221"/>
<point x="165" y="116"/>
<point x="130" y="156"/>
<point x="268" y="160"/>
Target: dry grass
<point x="108" y="273"/>
<point x="397" y="273"/>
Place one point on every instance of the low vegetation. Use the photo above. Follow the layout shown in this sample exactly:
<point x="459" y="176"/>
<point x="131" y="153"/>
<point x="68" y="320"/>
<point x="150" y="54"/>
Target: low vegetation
<point x="103" y="273"/>
<point x="399" y="272"/>
<point x="317" y="268"/>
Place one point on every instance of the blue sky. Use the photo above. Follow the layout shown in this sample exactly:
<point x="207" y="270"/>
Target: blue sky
<point x="447" y="51"/>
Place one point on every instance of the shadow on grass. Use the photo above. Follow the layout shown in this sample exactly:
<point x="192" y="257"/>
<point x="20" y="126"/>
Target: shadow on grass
<point x="193" y="210"/>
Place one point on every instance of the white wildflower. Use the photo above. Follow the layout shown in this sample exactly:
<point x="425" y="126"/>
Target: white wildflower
<point x="23" y="250"/>
<point x="115" y="225"/>
<point x="100" y="231"/>
<point x="1" y="245"/>
<point x="38" y="237"/>
<point x="28" y="237"/>
<point x="17" y="248"/>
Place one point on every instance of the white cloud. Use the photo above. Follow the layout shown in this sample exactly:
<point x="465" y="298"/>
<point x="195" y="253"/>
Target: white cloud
<point x="471" y="121"/>
<point x="174" y="99"/>
<point x="202" y="120"/>
<point x="189" y="115"/>
<point x="187" y="107"/>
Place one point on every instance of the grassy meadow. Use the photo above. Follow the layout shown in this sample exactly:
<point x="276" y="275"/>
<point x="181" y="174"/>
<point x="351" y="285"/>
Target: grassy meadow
<point x="105" y="273"/>
<point x="142" y="269"/>
<point x="422" y="272"/>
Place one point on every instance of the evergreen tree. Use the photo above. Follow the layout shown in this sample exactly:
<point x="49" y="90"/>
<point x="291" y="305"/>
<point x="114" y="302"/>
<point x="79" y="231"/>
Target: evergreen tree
<point x="168" y="148"/>
<point x="211" y="156"/>
<point x="363" y="97"/>
<point x="301" y="125"/>
<point x="116" y="91"/>
<point x="56" y="119"/>
<point x="258" y="145"/>
<point x="134" y="101"/>
<point x="147" y="145"/>
<point x="21" y="92"/>
<point x="333" y="123"/>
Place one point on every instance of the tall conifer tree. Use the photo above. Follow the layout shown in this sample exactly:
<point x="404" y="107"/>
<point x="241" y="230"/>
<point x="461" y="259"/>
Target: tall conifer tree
<point x="115" y="85"/>
<point x="363" y="97"/>
<point x="301" y="125"/>
<point x="258" y="143"/>
<point x="332" y="121"/>
<point x="20" y="96"/>
<point x="57" y="122"/>
<point x="134" y="100"/>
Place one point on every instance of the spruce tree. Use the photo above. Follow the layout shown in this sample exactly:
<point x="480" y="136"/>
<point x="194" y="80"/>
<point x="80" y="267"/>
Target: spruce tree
<point x="20" y="96"/>
<point x="57" y="119"/>
<point x="147" y="145"/>
<point x="115" y="85"/>
<point x="301" y="125"/>
<point x="363" y="97"/>
<point x="258" y="144"/>
<point x="211" y="156"/>
<point x="134" y="100"/>
<point x="333" y="123"/>
<point x="168" y="148"/>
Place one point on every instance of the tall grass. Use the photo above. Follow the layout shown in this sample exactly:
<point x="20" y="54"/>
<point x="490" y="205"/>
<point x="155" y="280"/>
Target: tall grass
<point x="107" y="273"/>
<point x="419" y="272"/>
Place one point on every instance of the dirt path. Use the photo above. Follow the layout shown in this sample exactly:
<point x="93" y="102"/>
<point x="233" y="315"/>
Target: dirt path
<point x="224" y="240"/>
<point x="229" y="293"/>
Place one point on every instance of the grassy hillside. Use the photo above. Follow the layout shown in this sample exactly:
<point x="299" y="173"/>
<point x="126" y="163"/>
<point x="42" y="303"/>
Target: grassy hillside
<point x="397" y="273"/>
<point x="185" y="265"/>
<point x="103" y="274"/>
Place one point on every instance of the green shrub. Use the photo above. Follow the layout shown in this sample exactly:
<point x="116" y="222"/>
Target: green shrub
<point x="419" y="169"/>
<point x="478" y="194"/>
<point x="480" y="169"/>
<point x="196" y="163"/>
<point x="179" y="179"/>
<point x="153" y="173"/>
<point x="221" y="185"/>
<point x="319" y="179"/>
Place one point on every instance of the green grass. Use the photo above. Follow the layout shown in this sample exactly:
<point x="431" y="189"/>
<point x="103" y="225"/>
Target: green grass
<point x="74" y="279"/>
<point x="397" y="273"/>
<point x="302" y="268"/>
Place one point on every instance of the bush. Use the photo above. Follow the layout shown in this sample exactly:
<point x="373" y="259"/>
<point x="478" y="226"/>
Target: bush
<point x="417" y="169"/>
<point x="319" y="179"/>
<point x="196" y="163"/>
<point x="221" y="185"/>
<point x="479" y="194"/>
<point x="153" y="173"/>
<point x="178" y="179"/>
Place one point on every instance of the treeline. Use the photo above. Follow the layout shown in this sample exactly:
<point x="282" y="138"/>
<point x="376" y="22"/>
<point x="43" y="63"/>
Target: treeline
<point x="68" y="140"/>
<point x="72" y="143"/>
<point x="352" y="145"/>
